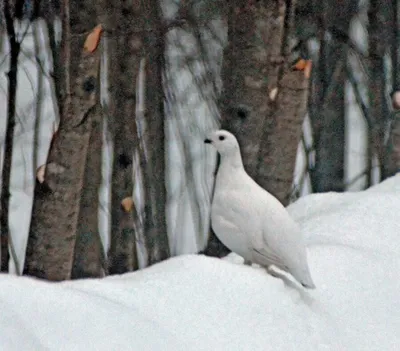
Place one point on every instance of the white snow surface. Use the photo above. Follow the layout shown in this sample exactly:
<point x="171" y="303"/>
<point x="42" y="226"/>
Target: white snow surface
<point x="198" y="303"/>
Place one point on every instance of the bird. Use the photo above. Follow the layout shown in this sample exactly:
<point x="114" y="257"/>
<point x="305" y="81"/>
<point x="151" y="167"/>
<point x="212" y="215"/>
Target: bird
<point x="250" y="221"/>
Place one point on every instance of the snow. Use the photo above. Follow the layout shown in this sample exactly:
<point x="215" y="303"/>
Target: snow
<point x="198" y="303"/>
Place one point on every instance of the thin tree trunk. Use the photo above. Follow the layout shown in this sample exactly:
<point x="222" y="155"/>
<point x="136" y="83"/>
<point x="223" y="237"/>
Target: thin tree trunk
<point x="329" y="139"/>
<point x="376" y="84"/>
<point x="328" y="120"/>
<point x="328" y="96"/>
<point x="155" y="227"/>
<point x="214" y="247"/>
<point x="39" y="94"/>
<point x="125" y="52"/>
<point x="56" y="207"/>
<point x="8" y="144"/>
<point x="392" y="162"/>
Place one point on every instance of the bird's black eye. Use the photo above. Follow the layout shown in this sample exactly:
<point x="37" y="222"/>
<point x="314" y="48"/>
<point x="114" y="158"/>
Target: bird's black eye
<point x="221" y="137"/>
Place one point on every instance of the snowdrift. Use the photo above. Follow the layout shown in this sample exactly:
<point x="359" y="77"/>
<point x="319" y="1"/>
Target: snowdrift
<point x="198" y="303"/>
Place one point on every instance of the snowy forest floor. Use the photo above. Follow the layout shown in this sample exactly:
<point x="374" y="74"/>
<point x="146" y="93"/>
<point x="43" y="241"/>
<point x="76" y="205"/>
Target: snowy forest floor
<point x="198" y="303"/>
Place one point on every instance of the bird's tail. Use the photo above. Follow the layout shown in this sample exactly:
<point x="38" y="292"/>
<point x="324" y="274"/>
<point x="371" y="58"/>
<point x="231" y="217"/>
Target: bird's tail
<point x="309" y="285"/>
<point x="303" y="276"/>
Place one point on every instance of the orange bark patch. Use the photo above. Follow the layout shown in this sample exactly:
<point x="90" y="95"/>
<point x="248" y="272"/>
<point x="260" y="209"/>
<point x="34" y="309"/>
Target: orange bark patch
<point x="127" y="204"/>
<point x="93" y="39"/>
<point x="304" y="65"/>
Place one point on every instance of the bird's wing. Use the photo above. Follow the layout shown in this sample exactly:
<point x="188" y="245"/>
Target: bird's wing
<point x="231" y="234"/>
<point x="270" y="246"/>
<point x="267" y="257"/>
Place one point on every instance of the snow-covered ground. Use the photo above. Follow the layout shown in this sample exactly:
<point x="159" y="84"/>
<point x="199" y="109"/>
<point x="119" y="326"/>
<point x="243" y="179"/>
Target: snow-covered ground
<point x="199" y="303"/>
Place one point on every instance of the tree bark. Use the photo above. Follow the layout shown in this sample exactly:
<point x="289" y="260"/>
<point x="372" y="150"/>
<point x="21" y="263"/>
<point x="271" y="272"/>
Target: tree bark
<point x="257" y="85"/>
<point x="89" y="258"/>
<point x="125" y="50"/>
<point x="56" y="207"/>
<point x="327" y="98"/>
<point x="329" y="132"/>
<point x="392" y="162"/>
<point x="155" y="227"/>
<point x="379" y="112"/>
<point x="282" y="133"/>
<point x="15" y="47"/>
<point x="328" y="116"/>
<point x="252" y="60"/>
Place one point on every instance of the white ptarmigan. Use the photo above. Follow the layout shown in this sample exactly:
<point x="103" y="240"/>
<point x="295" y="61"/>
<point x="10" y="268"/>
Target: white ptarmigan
<point x="250" y="221"/>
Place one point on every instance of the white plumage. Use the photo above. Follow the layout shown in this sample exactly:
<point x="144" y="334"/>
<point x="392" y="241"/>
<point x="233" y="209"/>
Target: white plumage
<point x="250" y="221"/>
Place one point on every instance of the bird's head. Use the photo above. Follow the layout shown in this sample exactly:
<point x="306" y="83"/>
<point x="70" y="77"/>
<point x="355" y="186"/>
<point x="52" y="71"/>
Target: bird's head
<point x="224" y="142"/>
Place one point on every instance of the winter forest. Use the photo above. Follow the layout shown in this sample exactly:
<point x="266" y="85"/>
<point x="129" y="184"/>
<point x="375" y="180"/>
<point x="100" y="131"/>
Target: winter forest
<point x="104" y="109"/>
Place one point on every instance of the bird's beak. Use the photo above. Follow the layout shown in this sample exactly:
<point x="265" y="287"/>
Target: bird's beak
<point x="207" y="141"/>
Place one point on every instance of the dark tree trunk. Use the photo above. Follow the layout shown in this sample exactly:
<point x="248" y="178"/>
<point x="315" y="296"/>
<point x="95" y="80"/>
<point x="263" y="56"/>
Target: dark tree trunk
<point x="392" y="161"/>
<point x="89" y="258"/>
<point x="125" y="52"/>
<point x="215" y="247"/>
<point x="8" y="143"/>
<point x="282" y="133"/>
<point x="155" y="228"/>
<point x="263" y="102"/>
<point x="328" y="120"/>
<point x="328" y="96"/>
<point x="252" y="60"/>
<point x="56" y="207"/>
<point x="379" y="113"/>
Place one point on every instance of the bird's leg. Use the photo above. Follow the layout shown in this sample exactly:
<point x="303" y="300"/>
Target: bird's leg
<point x="247" y="262"/>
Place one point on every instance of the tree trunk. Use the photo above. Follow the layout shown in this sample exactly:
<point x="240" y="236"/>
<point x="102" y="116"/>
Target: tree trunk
<point x="252" y="60"/>
<point x="89" y="258"/>
<point x="392" y="161"/>
<point x="56" y="207"/>
<point x="9" y="138"/>
<point x="327" y="100"/>
<point x="257" y="86"/>
<point x="125" y="50"/>
<point x="155" y="228"/>
<point x="329" y="131"/>
<point x="377" y="86"/>
<point x="282" y="133"/>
